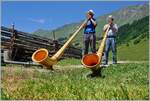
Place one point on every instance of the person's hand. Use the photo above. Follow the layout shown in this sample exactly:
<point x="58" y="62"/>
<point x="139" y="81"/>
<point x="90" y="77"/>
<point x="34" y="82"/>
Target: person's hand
<point x="108" y="26"/>
<point x="85" y="22"/>
<point x="111" y="24"/>
<point x="89" y="17"/>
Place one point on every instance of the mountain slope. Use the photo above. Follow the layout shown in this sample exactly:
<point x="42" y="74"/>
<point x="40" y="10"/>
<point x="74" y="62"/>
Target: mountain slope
<point x="133" y="33"/>
<point x="134" y="52"/>
<point x="136" y="31"/>
<point x="133" y="40"/>
<point x="122" y="16"/>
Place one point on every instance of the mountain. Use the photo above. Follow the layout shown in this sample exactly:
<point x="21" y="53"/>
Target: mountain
<point x="133" y="40"/>
<point x="122" y="16"/>
<point x="42" y="32"/>
<point x="135" y="31"/>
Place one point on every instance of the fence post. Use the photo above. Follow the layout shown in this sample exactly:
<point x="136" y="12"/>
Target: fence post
<point x="11" y="48"/>
<point x="55" y="42"/>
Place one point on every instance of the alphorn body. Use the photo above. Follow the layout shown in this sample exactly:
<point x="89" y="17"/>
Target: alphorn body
<point x="92" y="61"/>
<point x="41" y="56"/>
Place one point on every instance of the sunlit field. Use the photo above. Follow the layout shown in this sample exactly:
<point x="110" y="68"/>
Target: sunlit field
<point x="121" y="81"/>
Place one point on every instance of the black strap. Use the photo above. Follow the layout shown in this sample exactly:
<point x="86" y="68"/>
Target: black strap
<point x="111" y="36"/>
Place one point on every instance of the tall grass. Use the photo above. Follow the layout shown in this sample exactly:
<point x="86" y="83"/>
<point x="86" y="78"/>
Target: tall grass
<point x="122" y="81"/>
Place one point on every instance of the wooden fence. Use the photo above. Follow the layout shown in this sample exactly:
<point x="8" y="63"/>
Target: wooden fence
<point x="21" y="45"/>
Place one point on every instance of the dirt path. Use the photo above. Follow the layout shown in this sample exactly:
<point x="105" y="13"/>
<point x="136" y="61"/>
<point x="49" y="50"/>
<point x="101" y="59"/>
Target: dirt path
<point x="109" y="63"/>
<point x="123" y="62"/>
<point x="60" y="67"/>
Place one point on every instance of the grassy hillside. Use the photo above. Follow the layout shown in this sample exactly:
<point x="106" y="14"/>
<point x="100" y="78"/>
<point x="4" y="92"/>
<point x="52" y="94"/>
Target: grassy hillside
<point x="136" y="31"/>
<point x="133" y="33"/>
<point x="133" y="40"/>
<point x="138" y="52"/>
<point x="128" y="81"/>
<point x="122" y="16"/>
<point x="122" y="81"/>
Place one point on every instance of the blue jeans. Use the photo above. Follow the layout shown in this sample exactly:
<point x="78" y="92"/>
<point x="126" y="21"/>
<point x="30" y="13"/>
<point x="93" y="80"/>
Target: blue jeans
<point x="110" y="43"/>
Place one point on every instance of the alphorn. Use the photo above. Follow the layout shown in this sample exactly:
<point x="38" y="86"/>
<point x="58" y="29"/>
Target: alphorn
<point x="41" y="55"/>
<point x="93" y="60"/>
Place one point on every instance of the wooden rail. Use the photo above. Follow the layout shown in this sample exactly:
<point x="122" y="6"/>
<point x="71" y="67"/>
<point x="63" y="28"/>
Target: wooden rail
<point x="21" y="45"/>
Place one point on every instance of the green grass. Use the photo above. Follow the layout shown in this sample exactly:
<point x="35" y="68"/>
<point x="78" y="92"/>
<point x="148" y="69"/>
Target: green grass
<point x="122" y="81"/>
<point x="133" y="52"/>
<point x="69" y="61"/>
<point x="136" y="52"/>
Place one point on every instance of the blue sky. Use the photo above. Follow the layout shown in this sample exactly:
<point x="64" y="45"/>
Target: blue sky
<point x="29" y="16"/>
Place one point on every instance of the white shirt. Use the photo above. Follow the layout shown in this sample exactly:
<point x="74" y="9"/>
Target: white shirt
<point x="111" y="32"/>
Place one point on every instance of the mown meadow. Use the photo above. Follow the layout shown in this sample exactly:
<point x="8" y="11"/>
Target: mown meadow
<point x="69" y="81"/>
<point x="121" y="81"/>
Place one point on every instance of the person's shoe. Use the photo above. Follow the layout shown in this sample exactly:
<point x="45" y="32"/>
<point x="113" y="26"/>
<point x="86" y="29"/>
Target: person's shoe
<point x="104" y="65"/>
<point x="114" y="63"/>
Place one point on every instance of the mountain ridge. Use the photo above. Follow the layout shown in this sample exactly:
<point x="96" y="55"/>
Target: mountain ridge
<point x="122" y="16"/>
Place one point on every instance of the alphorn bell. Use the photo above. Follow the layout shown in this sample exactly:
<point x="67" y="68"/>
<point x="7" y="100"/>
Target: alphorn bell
<point x="92" y="61"/>
<point x="42" y="56"/>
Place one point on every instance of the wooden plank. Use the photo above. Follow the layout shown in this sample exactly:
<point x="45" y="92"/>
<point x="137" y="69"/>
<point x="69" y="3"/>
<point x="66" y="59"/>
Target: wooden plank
<point x="3" y="33"/>
<point x="32" y="41"/>
<point x="4" y="47"/>
<point x="5" y="28"/>
<point x="4" y="43"/>
<point x="25" y="46"/>
<point x="5" y="39"/>
<point x="33" y="36"/>
<point x="25" y="34"/>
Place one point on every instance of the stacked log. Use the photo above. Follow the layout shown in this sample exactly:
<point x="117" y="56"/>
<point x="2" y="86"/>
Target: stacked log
<point x="21" y="45"/>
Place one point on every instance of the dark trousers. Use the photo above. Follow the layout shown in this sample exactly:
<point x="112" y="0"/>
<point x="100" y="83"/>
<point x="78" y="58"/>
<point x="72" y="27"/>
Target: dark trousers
<point x="89" y="40"/>
<point x="111" y="43"/>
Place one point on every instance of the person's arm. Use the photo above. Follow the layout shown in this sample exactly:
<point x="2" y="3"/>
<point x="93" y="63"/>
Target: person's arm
<point x="94" y="22"/>
<point x="85" y="22"/>
<point x="114" y="28"/>
<point x="105" y="28"/>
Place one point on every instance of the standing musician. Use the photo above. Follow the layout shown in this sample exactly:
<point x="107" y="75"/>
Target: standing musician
<point x="89" y="33"/>
<point x="111" y="40"/>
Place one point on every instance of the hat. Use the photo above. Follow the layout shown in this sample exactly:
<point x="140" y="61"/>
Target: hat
<point x="110" y="16"/>
<point x="91" y="12"/>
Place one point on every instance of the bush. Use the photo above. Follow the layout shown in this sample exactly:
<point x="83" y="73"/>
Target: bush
<point x="136" y="41"/>
<point x="62" y="39"/>
<point x="127" y="44"/>
<point x="77" y="44"/>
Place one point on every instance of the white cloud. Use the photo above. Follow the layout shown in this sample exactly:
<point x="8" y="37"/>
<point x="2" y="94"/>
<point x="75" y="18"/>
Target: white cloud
<point x="41" y="21"/>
